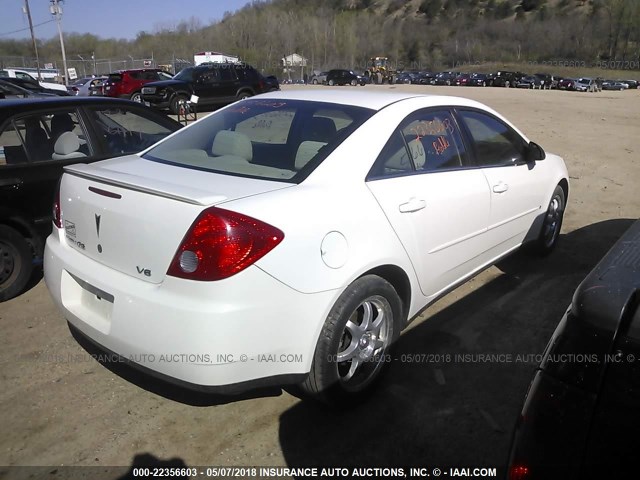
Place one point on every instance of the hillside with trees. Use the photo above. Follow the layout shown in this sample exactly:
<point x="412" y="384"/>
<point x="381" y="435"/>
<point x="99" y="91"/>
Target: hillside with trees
<point x="426" y="34"/>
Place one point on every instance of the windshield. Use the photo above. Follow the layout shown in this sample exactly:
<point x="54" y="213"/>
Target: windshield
<point x="274" y="139"/>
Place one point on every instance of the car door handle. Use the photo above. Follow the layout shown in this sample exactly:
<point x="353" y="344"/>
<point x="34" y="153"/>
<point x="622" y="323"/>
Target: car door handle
<point x="10" y="182"/>
<point x="413" y="205"/>
<point x="500" y="188"/>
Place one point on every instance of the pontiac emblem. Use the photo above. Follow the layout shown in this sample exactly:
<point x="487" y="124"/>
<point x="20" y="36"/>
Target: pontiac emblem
<point x="98" y="224"/>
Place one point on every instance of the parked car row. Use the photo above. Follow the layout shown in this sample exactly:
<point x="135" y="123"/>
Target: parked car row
<point x="508" y="79"/>
<point x="212" y="83"/>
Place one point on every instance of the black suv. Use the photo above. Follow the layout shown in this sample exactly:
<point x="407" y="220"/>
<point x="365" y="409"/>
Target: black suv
<point x="212" y="83"/>
<point x="507" y="79"/>
<point x="344" y="77"/>
<point x="38" y="138"/>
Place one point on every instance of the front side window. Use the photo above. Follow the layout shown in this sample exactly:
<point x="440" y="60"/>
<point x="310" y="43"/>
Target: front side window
<point x="273" y="139"/>
<point x="495" y="143"/>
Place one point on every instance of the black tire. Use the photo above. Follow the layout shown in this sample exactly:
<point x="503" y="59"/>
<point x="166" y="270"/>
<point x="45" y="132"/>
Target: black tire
<point x="315" y="81"/>
<point x="136" y="97"/>
<point x="354" y="83"/>
<point x="174" y="104"/>
<point x="244" y="94"/>
<point x="552" y="223"/>
<point x="368" y="300"/>
<point x="15" y="263"/>
<point x="331" y="83"/>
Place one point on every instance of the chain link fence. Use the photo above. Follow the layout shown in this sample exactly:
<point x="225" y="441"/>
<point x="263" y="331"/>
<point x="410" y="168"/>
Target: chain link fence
<point x="86" y="66"/>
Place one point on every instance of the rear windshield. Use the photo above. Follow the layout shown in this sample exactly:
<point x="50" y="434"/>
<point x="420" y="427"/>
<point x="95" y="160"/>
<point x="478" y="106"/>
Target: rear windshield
<point x="186" y="75"/>
<point x="272" y="139"/>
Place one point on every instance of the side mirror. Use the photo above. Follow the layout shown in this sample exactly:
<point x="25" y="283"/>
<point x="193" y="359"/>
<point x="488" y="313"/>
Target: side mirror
<point x="535" y="152"/>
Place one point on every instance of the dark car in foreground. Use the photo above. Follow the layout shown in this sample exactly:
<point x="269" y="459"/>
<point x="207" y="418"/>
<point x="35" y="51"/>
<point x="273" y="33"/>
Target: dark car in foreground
<point x="38" y="138"/>
<point x="581" y="415"/>
<point x="214" y="84"/>
<point x="345" y="77"/>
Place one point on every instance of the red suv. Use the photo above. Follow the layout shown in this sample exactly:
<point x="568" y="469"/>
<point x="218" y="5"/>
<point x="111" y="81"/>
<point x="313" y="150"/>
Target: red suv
<point x="128" y="83"/>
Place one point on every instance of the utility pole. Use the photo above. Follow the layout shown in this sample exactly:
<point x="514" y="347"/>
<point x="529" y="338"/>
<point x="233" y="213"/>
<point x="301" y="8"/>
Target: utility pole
<point x="56" y="11"/>
<point x="33" y="37"/>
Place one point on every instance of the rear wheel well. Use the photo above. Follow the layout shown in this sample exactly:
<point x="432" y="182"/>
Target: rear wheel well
<point x="397" y="277"/>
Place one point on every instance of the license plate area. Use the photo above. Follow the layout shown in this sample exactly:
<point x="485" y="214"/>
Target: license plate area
<point x="87" y="302"/>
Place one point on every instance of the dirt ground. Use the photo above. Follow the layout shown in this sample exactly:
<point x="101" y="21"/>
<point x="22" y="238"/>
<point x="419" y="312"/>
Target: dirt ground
<point x="61" y="407"/>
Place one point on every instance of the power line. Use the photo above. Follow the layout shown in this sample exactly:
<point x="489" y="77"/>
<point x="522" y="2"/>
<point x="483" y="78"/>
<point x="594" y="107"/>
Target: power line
<point x="27" y="28"/>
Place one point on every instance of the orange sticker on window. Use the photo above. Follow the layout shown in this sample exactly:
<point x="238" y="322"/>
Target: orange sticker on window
<point x="440" y="145"/>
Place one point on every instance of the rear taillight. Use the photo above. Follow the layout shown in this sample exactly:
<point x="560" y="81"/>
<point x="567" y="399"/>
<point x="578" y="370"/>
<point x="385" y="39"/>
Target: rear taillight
<point x="57" y="212"/>
<point x="519" y="472"/>
<point x="221" y="243"/>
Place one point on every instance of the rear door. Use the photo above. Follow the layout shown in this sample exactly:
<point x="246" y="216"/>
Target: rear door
<point x="436" y="201"/>
<point x="30" y="166"/>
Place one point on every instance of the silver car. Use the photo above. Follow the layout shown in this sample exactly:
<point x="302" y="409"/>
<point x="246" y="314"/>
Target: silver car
<point x="85" y="87"/>
<point x="586" y="84"/>
<point x="318" y="78"/>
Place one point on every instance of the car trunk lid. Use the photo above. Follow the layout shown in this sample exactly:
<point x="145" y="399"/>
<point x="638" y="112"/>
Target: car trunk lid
<point x="131" y="214"/>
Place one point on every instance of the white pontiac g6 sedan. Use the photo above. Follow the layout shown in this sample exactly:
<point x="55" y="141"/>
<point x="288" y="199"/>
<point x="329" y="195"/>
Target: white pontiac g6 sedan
<point x="290" y="237"/>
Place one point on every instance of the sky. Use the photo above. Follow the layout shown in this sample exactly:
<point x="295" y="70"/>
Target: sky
<point x="108" y="18"/>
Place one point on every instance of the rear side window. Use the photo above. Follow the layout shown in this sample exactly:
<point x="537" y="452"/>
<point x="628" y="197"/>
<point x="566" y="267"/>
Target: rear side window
<point x="273" y="139"/>
<point x="495" y="143"/>
<point x="246" y="73"/>
<point x="11" y="148"/>
<point x="42" y="137"/>
<point x="227" y="73"/>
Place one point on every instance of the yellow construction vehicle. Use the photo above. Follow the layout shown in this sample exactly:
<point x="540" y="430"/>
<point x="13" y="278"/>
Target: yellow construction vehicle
<point x="379" y="70"/>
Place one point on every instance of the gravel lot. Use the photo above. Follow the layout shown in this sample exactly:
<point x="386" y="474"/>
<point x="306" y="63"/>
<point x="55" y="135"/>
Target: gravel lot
<point x="62" y="407"/>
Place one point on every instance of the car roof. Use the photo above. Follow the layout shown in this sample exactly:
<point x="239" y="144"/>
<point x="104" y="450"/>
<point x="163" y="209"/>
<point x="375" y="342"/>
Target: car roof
<point x="366" y="98"/>
<point x="26" y="104"/>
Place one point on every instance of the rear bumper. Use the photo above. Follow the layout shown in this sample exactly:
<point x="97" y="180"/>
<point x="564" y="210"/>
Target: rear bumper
<point x="209" y="334"/>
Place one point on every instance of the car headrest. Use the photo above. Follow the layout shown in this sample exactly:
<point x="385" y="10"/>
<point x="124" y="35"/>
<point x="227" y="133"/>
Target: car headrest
<point x="417" y="152"/>
<point x="67" y="143"/>
<point x="236" y="144"/>
<point x="320" y="129"/>
<point x="306" y="151"/>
